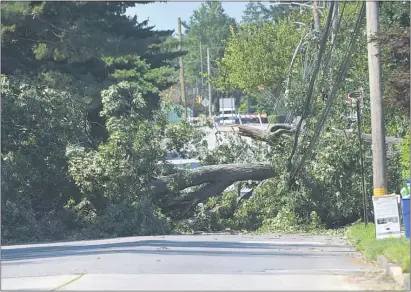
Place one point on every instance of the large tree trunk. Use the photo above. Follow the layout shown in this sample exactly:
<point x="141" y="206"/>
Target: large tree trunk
<point x="212" y="180"/>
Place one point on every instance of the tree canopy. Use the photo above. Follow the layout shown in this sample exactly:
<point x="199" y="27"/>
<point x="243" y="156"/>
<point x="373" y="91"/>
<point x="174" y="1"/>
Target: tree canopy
<point x="86" y="135"/>
<point x="207" y="28"/>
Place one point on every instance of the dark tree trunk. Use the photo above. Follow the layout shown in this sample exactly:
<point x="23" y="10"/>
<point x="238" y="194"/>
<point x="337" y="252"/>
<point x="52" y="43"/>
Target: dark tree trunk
<point x="212" y="181"/>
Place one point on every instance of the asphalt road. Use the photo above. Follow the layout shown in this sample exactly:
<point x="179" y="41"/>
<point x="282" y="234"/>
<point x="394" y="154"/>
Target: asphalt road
<point x="234" y="262"/>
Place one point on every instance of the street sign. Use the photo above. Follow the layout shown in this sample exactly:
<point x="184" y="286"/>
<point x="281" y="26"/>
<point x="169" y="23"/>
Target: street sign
<point x="387" y="218"/>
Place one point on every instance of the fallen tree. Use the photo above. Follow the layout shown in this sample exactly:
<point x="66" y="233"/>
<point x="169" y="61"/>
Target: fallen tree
<point x="209" y="181"/>
<point x="212" y="180"/>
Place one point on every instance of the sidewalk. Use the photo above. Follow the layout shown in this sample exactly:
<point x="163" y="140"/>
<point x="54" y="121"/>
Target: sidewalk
<point x="178" y="282"/>
<point x="46" y="283"/>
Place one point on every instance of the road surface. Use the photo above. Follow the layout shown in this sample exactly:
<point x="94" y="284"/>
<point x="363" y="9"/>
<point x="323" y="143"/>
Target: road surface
<point x="191" y="262"/>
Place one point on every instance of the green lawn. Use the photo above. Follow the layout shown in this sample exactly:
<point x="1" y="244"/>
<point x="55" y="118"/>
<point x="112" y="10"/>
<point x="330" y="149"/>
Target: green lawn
<point x="396" y="250"/>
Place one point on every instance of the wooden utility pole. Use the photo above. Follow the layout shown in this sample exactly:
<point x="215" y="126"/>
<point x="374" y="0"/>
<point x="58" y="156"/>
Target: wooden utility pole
<point x="182" y="84"/>
<point x="317" y="24"/>
<point x="201" y="66"/>
<point x="335" y="22"/>
<point x="209" y="84"/>
<point x="364" y="191"/>
<point x="379" y="159"/>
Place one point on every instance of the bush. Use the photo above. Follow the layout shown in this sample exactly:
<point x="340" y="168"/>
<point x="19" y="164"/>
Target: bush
<point x="139" y="219"/>
<point x="20" y="225"/>
<point x="216" y="214"/>
<point x="285" y="221"/>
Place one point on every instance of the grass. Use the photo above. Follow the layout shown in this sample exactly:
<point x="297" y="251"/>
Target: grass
<point x="396" y="250"/>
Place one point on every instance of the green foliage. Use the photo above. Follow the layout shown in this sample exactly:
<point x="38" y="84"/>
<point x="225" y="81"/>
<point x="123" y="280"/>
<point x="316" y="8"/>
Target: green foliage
<point x="243" y="108"/>
<point x="84" y="131"/>
<point x="184" y="139"/>
<point x="61" y="62"/>
<point x="257" y="55"/>
<point x="255" y="12"/>
<point x="37" y="124"/>
<point x="395" y="44"/>
<point x="260" y="52"/>
<point x="119" y="170"/>
<point x="120" y="167"/>
<point x="83" y="48"/>
<point x="405" y="157"/>
<point x="207" y="28"/>
<point x="19" y="224"/>
<point x="327" y="195"/>
<point x="258" y="12"/>
<point x="140" y="218"/>
<point x="112" y="179"/>
<point x="272" y="119"/>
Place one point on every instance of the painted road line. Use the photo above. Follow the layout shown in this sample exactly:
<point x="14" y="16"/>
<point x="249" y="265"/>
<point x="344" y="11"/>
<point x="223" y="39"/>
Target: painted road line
<point x="320" y="271"/>
<point x="286" y="242"/>
<point x="38" y="283"/>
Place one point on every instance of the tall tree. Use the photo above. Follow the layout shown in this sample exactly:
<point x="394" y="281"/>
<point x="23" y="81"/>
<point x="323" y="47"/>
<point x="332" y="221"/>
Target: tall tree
<point x="395" y="41"/>
<point x="259" y="53"/>
<point x="260" y="12"/>
<point x="256" y="11"/>
<point x="78" y="46"/>
<point x="58" y="57"/>
<point x="208" y="27"/>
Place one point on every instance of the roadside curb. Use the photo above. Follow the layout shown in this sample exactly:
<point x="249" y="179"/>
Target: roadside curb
<point x="395" y="272"/>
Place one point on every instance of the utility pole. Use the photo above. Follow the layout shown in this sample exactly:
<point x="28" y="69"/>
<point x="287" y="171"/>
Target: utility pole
<point x="335" y="22"/>
<point x="183" y="88"/>
<point x="379" y="159"/>
<point x="317" y="24"/>
<point x="209" y="84"/>
<point x="201" y="66"/>
<point x="364" y="191"/>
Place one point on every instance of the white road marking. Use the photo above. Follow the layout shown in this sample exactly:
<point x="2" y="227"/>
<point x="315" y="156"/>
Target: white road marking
<point x="310" y="271"/>
<point x="286" y="242"/>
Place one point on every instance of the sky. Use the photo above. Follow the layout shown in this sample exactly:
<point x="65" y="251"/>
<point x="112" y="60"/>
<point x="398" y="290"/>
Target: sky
<point x="165" y="15"/>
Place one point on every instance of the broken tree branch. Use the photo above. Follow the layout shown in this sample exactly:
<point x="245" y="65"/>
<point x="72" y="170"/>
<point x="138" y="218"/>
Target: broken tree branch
<point x="213" y="180"/>
<point x="211" y="173"/>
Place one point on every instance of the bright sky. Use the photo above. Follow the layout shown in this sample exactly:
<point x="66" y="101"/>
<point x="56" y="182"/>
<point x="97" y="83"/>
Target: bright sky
<point x="165" y="15"/>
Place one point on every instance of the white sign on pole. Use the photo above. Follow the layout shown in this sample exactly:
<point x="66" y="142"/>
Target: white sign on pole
<point x="387" y="218"/>
<point x="204" y="102"/>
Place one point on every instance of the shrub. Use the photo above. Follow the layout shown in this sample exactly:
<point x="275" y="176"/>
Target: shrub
<point x="138" y="219"/>
<point x="20" y="225"/>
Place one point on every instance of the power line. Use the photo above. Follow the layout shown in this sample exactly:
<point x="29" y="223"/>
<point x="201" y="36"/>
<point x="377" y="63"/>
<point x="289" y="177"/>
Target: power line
<point x="343" y="71"/>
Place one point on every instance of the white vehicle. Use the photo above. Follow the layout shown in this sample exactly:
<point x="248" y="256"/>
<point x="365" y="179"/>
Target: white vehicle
<point x="184" y="163"/>
<point x="227" y="114"/>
